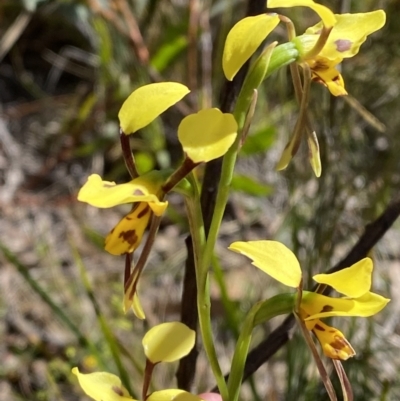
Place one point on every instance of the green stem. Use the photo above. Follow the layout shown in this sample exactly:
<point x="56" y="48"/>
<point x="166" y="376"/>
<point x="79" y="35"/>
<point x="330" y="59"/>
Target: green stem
<point x="203" y="292"/>
<point x="270" y="60"/>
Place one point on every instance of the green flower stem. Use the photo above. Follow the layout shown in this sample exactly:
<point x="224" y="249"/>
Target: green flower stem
<point x="203" y="291"/>
<point x="269" y="61"/>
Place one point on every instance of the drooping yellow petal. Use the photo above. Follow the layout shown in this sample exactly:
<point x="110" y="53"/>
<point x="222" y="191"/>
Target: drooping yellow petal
<point x="127" y="235"/>
<point x="146" y="103"/>
<point x="349" y="33"/>
<point x="317" y="306"/>
<point x="137" y="307"/>
<point x="244" y="39"/>
<point x="168" y="342"/>
<point x="104" y="194"/>
<point x="207" y="134"/>
<point x="353" y="281"/>
<point x="172" y="395"/>
<point x="323" y="71"/>
<point x="273" y="258"/>
<point x="102" y="386"/>
<point x="324" y="13"/>
<point x="333" y="343"/>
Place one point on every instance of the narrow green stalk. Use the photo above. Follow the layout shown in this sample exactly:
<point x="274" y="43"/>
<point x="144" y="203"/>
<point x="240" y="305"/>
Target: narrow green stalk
<point x="203" y="291"/>
<point x="258" y="72"/>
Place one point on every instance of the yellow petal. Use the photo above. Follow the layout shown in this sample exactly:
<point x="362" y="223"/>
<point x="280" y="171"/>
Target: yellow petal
<point x="104" y="194"/>
<point x="349" y="33"/>
<point x="318" y="306"/>
<point x="172" y="395"/>
<point x="147" y="102"/>
<point x="127" y="235"/>
<point x="102" y="386"/>
<point x="323" y="71"/>
<point x="353" y="281"/>
<point x="244" y="39"/>
<point x="207" y="134"/>
<point x="273" y="258"/>
<point x="333" y="343"/>
<point x="137" y="307"/>
<point x="168" y="342"/>
<point x="324" y="13"/>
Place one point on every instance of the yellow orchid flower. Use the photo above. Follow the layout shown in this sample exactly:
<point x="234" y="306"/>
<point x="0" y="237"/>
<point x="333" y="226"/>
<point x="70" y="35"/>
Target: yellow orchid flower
<point x="145" y="191"/>
<point x="354" y="282"/>
<point x="166" y="342"/>
<point x="104" y="386"/>
<point x="347" y="35"/>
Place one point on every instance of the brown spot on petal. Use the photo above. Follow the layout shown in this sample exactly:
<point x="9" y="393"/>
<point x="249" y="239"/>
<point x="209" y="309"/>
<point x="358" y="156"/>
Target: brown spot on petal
<point x="138" y="191"/>
<point x="320" y="65"/>
<point x="108" y="185"/>
<point x="143" y="212"/>
<point x="326" y="308"/>
<point x="129" y="236"/>
<point x="128" y="218"/>
<point x="318" y="327"/>
<point x="117" y="390"/>
<point x="343" y="45"/>
<point x="339" y="343"/>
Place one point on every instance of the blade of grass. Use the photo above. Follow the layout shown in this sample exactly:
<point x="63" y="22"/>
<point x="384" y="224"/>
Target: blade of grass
<point x="58" y="311"/>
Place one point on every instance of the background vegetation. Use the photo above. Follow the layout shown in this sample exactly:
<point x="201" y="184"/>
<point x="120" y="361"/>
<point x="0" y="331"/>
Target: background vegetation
<point x="66" y="66"/>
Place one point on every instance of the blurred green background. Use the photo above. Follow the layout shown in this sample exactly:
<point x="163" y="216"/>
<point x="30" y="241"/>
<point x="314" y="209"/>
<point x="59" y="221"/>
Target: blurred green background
<point x="65" y="68"/>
